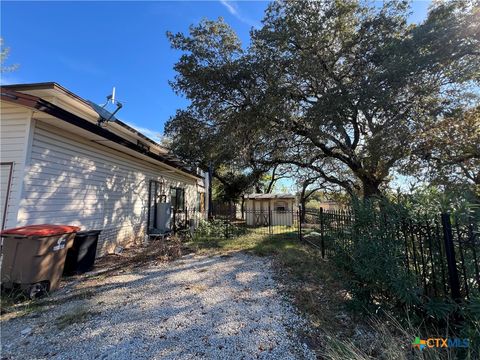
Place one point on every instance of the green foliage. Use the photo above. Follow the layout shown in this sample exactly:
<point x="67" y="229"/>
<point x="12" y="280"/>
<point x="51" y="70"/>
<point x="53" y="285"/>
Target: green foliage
<point x="371" y="251"/>
<point x="450" y="151"/>
<point x="217" y="229"/>
<point x="439" y="308"/>
<point x="318" y="292"/>
<point x="17" y="301"/>
<point x="230" y="184"/>
<point x="212" y="228"/>
<point x="431" y="200"/>
<point x="471" y="325"/>
<point x="209" y="235"/>
<point x="373" y="255"/>
<point x="4" y="53"/>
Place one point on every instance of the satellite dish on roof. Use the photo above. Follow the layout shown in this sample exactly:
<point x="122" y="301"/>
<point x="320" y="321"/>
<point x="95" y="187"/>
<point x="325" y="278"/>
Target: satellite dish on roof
<point x="111" y="97"/>
<point x="103" y="113"/>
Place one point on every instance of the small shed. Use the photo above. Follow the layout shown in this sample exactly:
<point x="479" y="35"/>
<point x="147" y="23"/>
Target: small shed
<point x="273" y="209"/>
<point x="330" y="205"/>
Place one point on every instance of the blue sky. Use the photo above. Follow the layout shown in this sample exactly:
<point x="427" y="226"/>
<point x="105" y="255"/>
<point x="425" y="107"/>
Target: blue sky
<point x="89" y="47"/>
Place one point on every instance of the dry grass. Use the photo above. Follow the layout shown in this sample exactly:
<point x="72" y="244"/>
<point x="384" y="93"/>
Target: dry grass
<point x="156" y="251"/>
<point x="389" y="340"/>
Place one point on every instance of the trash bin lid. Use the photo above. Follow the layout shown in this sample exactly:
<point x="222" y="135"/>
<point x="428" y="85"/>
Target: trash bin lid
<point x="40" y="230"/>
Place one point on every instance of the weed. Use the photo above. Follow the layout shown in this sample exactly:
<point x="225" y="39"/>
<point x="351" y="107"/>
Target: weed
<point x="16" y="303"/>
<point x="77" y="315"/>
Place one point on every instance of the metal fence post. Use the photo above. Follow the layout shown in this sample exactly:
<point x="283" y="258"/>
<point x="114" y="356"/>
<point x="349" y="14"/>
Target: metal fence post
<point x="450" y="255"/>
<point x="322" y="233"/>
<point x="299" y="217"/>
<point x="270" y="229"/>
<point x="174" y="222"/>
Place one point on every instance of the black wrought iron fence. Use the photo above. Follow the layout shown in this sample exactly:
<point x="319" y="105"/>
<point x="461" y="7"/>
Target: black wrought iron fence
<point x="442" y="253"/>
<point x="262" y="222"/>
<point x="186" y="220"/>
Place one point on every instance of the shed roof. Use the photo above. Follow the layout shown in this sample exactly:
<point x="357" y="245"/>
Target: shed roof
<point x="270" y="196"/>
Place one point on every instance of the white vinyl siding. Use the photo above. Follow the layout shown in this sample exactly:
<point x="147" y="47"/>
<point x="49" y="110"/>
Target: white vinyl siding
<point x="5" y="175"/>
<point x="14" y="134"/>
<point x="79" y="182"/>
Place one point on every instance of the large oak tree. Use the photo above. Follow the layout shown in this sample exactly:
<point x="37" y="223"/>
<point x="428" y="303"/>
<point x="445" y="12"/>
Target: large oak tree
<point x="325" y="82"/>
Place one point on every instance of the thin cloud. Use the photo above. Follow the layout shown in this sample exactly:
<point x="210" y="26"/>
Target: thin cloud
<point x="230" y="7"/>
<point x="233" y="9"/>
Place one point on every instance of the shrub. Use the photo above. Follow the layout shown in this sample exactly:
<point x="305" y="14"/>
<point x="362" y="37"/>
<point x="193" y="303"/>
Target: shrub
<point x="218" y="228"/>
<point x="211" y="228"/>
<point x="372" y="250"/>
<point x="374" y="257"/>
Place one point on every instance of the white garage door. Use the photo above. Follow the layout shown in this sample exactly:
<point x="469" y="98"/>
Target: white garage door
<point x="5" y="176"/>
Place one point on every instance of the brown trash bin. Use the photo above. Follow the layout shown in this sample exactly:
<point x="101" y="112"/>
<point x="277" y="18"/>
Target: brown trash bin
<point x="33" y="256"/>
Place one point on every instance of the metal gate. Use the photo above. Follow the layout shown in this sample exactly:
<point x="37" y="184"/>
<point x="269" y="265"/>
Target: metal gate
<point x="280" y="223"/>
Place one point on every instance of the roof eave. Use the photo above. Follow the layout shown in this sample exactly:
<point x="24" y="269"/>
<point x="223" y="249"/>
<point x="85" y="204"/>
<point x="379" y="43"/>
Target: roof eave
<point x="35" y="102"/>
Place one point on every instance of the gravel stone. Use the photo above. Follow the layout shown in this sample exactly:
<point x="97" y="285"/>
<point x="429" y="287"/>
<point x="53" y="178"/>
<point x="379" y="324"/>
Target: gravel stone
<point x="198" y="307"/>
<point x="26" y="331"/>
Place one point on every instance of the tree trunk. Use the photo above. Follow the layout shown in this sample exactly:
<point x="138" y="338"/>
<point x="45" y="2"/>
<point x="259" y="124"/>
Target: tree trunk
<point x="270" y="186"/>
<point x="272" y="181"/>
<point x="231" y="210"/>
<point x="303" y="211"/>
<point x="303" y="201"/>
<point x="371" y="188"/>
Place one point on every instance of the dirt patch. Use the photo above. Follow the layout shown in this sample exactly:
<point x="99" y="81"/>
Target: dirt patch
<point x="160" y="251"/>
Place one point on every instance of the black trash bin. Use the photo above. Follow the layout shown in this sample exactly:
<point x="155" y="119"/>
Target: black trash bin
<point x="81" y="256"/>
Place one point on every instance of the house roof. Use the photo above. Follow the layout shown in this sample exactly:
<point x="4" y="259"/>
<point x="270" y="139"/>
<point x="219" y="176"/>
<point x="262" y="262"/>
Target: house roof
<point x="15" y="94"/>
<point x="270" y="196"/>
<point x="58" y="87"/>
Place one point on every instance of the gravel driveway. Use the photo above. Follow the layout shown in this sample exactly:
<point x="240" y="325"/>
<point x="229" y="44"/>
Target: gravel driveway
<point x="198" y="307"/>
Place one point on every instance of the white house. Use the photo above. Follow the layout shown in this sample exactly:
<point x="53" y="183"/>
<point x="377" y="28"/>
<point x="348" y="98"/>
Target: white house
<point x="273" y="209"/>
<point x="58" y="165"/>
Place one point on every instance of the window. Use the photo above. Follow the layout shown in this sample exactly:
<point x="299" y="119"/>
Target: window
<point x="280" y="206"/>
<point x="177" y="196"/>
